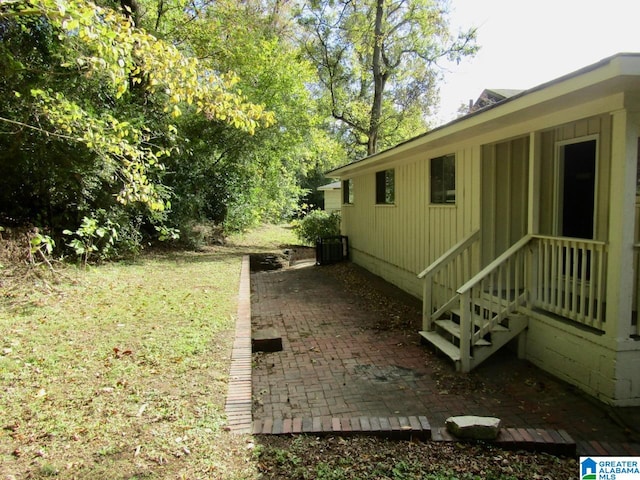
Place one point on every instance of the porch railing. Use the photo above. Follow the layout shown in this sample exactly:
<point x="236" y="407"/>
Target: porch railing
<point x="442" y="278"/>
<point x="559" y="275"/>
<point x="570" y="278"/>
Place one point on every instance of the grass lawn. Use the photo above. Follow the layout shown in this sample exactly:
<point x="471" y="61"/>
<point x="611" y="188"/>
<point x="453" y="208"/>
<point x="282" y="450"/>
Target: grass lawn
<point x="120" y="371"/>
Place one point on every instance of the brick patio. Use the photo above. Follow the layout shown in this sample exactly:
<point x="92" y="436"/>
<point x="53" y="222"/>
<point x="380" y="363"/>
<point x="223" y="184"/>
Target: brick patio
<point x="340" y="372"/>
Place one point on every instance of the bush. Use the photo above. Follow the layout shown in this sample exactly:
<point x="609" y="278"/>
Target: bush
<point x="317" y="223"/>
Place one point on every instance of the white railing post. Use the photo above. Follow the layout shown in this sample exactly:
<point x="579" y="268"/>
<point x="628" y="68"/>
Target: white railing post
<point x="532" y="281"/>
<point x="441" y="280"/>
<point x="427" y="304"/>
<point x="466" y="321"/>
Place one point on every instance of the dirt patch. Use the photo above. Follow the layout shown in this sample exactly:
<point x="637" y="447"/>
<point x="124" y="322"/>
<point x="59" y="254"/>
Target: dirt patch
<point x="398" y="309"/>
<point x="370" y="457"/>
<point x="289" y="256"/>
<point x="265" y="262"/>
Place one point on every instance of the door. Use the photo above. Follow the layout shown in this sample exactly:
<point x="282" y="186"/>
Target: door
<point x="577" y="187"/>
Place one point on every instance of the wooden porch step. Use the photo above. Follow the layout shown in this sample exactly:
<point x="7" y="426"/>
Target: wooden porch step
<point x="442" y="344"/>
<point x="480" y="322"/>
<point x="453" y="328"/>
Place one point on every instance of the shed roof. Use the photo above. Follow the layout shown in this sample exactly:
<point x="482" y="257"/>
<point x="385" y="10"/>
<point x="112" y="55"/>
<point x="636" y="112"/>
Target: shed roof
<point x="331" y="186"/>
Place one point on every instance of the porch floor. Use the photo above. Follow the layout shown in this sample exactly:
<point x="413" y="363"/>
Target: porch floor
<point x="351" y="351"/>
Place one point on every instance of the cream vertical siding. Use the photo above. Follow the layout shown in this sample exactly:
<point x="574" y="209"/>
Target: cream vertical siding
<point x="599" y="126"/>
<point x="332" y="200"/>
<point x="398" y="241"/>
<point x="493" y="153"/>
<point x="407" y="236"/>
<point x="505" y="192"/>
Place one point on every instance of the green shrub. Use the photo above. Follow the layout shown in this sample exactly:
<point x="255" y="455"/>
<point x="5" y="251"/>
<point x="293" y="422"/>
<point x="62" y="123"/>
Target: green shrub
<point x="317" y="223"/>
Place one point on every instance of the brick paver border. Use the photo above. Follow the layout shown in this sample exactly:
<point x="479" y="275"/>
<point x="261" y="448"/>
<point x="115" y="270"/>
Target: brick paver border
<point x="391" y="427"/>
<point x="239" y="400"/>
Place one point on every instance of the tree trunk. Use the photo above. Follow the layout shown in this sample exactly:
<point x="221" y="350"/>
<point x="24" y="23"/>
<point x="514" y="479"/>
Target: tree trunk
<point x="379" y="79"/>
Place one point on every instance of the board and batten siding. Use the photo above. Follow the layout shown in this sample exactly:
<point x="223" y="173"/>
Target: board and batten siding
<point x="399" y="241"/>
<point x="599" y="126"/>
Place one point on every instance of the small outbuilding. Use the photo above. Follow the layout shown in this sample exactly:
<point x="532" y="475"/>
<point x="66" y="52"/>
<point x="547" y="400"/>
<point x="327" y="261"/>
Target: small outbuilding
<point x="332" y="196"/>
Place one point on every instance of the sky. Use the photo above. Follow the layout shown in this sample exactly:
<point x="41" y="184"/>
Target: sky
<point x="527" y="43"/>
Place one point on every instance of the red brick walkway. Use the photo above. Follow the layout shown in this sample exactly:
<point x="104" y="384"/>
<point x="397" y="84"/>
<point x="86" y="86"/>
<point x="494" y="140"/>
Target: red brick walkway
<point x="337" y="363"/>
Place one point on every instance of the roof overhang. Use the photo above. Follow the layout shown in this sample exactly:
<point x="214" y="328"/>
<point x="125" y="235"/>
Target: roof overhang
<point x="598" y="82"/>
<point x="331" y="186"/>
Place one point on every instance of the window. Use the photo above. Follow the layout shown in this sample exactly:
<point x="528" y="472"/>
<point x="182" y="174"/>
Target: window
<point x="347" y="192"/>
<point x="638" y="170"/>
<point x="443" y="179"/>
<point x="385" y="187"/>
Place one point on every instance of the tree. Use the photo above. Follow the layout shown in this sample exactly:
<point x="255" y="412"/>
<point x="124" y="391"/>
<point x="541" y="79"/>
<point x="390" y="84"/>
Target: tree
<point x="378" y="63"/>
<point x="90" y="104"/>
<point x="223" y="174"/>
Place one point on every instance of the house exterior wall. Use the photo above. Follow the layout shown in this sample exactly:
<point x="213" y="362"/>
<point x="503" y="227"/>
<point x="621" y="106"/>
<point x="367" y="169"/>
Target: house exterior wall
<point x="596" y="126"/>
<point x="395" y="240"/>
<point x="398" y="241"/>
<point x="601" y="367"/>
<point x="332" y="200"/>
<point x="506" y="167"/>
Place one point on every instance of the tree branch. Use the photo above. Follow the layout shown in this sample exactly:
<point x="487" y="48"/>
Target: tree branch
<point x="41" y="130"/>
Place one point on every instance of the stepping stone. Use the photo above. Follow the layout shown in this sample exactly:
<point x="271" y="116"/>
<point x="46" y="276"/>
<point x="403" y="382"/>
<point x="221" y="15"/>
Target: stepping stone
<point x="266" y="340"/>
<point x="475" y="428"/>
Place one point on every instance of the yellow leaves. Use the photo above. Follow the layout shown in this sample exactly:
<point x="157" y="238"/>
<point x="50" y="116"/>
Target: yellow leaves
<point x="111" y="46"/>
<point x="122" y="88"/>
<point x="105" y="45"/>
<point x="70" y="24"/>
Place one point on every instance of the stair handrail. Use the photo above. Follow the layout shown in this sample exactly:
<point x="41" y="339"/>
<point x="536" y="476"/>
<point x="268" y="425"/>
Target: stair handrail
<point x="464" y="294"/>
<point x="449" y="255"/>
<point x="433" y="269"/>
<point x="500" y="259"/>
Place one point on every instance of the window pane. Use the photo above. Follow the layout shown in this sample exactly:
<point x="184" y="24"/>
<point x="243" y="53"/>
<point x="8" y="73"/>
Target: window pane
<point x="443" y="179"/>
<point x="347" y="191"/>
<point x="390" y="187"/>
<point x="437" y="184"/>
<point x="385" y="187"/>
<point x="449" y="178"/>
<point x="380" y="181"/>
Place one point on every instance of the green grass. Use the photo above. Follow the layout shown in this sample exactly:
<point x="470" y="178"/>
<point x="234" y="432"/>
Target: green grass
<point x="120" y="371"/>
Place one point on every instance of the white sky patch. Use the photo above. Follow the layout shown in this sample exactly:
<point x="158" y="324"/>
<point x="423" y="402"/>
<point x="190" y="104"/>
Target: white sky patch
<point x="525" y="44"/>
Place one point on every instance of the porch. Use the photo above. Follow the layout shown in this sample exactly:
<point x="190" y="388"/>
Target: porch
<point x="469" y="314"/>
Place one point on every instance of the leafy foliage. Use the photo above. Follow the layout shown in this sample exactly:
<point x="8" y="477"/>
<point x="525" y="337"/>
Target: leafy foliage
<point x="378" y="66"/>
<point x="316" y="224"/>
<point x="90" y="107"/>
<point x="103" y="45"/>
<point x="161" y="115"/>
